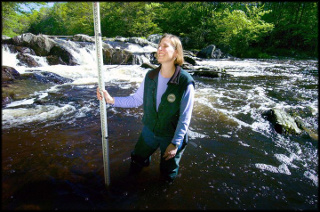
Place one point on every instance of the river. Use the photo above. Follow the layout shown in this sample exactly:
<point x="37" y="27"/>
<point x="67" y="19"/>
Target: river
<point x="235" y="160"/>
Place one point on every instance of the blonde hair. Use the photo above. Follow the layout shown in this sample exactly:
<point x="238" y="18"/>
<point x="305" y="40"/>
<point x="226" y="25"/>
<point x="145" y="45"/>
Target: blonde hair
<point x="176" y="43"/>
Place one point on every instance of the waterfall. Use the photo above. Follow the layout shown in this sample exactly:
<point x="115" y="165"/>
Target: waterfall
<point x="83" y="52"/>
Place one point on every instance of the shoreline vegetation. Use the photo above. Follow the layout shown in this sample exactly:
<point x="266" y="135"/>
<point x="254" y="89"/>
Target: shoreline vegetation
<point x="262" y="30"/>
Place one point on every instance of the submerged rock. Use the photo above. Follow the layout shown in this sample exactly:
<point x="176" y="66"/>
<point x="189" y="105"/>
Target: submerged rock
<point x="47" y="77"/>
<point x="18" y="87"/>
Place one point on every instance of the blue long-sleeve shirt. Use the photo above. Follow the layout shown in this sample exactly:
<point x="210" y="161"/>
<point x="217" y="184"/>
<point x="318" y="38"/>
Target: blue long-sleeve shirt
<point x="186" y="105"/>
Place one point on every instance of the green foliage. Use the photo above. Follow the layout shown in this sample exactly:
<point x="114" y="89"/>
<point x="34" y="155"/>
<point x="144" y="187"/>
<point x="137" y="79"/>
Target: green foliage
<point x="296" y="27"/>
<point x="240" y="28"/>
<point x="15" y="20"/>
<point x="244" y="29"/>
<point x="129" y="19"/>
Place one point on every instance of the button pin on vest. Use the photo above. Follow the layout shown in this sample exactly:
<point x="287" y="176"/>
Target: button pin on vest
<point x="171" y="98"/>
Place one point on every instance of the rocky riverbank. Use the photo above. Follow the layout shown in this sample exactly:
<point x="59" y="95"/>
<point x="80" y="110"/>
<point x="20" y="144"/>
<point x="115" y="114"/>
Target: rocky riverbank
<point x="116" y="51"/>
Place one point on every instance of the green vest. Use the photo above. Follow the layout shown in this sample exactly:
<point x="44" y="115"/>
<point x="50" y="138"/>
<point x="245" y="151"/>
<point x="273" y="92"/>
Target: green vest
<point x="164" y="122"/>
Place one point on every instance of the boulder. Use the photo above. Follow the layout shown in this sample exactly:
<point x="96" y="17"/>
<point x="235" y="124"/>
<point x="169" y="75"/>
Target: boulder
<point x="83" y="38"/>
<point x="22" y="49"/>
<point x="55" y="60"/>
<point x="187" y="66"/>
<point x="117" y="56"/>
<point x="4" y="37"/>
<point x="283" y="123"/>
<point x="25" y="50"/>
<point x="9" y="74"/>
<point x="190" y="60"/>
<point x="207" y="52"/>
<point x="148" y="65"/>
<point x="123" y="57"/>
<point x="135" y="40"/>
<point x="6" y="40"/>
<point x="311" y="133"/>
<point x="27" y="60"/>
<point x="155" y="38"/>
<point x="212" y="52"/>
<point x="120" y="39"/>
<point x="41" y="44"/>
<point x="214" y="72"/>
<point x="63" y="55"/>
<point x="140" y="41"/>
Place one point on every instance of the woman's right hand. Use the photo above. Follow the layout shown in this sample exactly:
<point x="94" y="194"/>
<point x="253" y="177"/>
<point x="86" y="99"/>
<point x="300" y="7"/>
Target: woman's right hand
<point x="109" y="99"/>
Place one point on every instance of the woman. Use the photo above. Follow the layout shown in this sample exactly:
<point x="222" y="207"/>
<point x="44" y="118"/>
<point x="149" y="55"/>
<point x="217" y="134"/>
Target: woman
<point x="167" y="96"/>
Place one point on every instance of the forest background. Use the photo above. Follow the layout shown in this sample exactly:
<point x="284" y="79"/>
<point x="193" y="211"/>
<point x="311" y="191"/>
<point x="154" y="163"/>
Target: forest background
<point x="242" y="29"/>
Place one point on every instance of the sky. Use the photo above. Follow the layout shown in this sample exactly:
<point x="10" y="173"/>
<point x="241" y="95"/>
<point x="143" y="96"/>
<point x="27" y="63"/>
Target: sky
<point x="25" y="8"/>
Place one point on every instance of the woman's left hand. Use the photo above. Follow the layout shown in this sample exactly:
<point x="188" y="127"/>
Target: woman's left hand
<point x="170" y="152"/>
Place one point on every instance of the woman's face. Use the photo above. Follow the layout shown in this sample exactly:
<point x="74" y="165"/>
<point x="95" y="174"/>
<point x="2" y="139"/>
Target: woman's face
<point x="166" y="52"/>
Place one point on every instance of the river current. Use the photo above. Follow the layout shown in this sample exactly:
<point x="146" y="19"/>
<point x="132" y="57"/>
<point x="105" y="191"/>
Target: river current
<point x="52" y="152"/>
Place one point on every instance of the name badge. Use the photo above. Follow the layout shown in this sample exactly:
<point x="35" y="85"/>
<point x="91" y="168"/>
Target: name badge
<point x="171" y="98"/>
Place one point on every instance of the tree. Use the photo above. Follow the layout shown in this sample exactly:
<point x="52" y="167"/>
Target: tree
<point x="129" y="19"/>
<point x="79" y="18"/>
<point x="15" y="20"/>
<point x="143" y="22"/>
<point x="296" y="26"/>
<point x="239" y="29"/>
<point x="243" y="28"/>
<point x="113" y="22"/>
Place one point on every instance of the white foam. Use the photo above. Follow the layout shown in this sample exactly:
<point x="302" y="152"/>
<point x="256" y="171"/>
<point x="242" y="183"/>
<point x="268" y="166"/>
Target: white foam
<point x="312" y="176"/>
<point x="134" y="48"/>
<point x="83" y="111"/>
<point x="42" y="61"/>
<point x="8" y="58"/>
<point x="83" y="55"/>
<point x="42" y="113"/>
<point x="286" y="160"/>
<point x="243" y="144"/>
<point x="266" y="167"/>
<point x="282" y="169"/>
<point x="85" y="81"/>
<point x="194" y="135"/>
<point x="251" y="67"/>
<point x="21" y="102"/>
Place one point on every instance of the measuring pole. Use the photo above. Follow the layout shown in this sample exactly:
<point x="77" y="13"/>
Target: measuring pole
<point x="103" y="108"/>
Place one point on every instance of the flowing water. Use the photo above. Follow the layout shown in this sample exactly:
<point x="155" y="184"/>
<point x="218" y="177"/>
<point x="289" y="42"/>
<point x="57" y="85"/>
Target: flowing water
<point x="52" y="151"/>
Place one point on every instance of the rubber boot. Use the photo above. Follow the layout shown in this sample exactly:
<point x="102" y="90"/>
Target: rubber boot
<point x="137" y="163"/>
